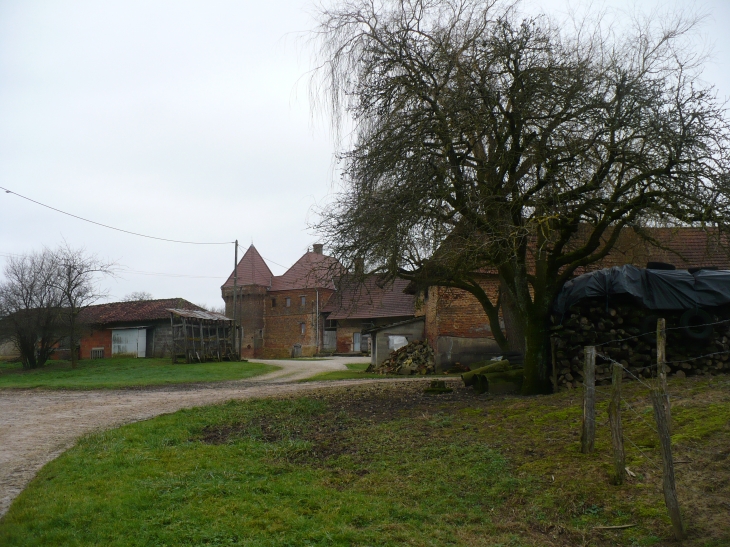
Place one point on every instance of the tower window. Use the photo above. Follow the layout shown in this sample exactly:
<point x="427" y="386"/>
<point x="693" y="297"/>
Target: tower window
<point x="273" y="302"/>
<point x="288" y="302"/>
<point x="303" y="300"/>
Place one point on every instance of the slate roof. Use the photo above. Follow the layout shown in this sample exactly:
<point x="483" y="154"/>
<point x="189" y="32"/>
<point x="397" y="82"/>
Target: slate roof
<point x="252" y="270"/>
<point x="312" y="270"/>
<point x="370" y="299"/>
<point x="141" y="310"/>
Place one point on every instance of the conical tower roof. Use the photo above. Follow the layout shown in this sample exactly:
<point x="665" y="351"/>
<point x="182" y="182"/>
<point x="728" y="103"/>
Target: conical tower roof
<point x="252" y="270"/>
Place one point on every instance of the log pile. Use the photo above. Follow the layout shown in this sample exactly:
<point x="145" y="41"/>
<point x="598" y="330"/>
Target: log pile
<point x="414" y="358"/>
<point x="626" y="333"/>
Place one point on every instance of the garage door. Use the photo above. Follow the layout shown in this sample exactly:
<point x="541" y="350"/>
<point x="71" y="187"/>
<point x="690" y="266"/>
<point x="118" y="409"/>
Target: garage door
<point x="129" y="342"/>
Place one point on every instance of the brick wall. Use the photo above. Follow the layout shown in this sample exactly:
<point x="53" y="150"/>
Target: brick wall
<point x="250" y="305"/>
<point x="345" y="330"/>
<point x="283" y="324"/>
<point x="96" y="339"/>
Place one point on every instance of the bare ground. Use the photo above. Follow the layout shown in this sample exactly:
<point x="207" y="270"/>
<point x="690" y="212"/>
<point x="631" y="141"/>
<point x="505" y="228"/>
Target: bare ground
<point x="36" y="425"/>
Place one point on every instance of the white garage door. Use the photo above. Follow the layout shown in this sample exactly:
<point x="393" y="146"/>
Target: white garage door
<point x="129" y="342"/>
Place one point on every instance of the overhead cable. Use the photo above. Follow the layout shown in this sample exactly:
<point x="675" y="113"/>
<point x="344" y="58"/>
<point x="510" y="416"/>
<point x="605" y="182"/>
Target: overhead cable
<point x="112" y="227"/>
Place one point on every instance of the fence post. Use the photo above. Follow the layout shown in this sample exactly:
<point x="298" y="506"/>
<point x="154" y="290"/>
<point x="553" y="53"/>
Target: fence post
<point x="658" y="399"/>
<point x="555" y="365"/>
<point x="617" y="433"/>
<point x="661" y="359"/>
<point x="588" y="436"/>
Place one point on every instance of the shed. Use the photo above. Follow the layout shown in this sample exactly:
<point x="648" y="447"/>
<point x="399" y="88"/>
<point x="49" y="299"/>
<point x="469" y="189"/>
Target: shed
<point x="199" y="335"/>
<point x="396" y="335"/>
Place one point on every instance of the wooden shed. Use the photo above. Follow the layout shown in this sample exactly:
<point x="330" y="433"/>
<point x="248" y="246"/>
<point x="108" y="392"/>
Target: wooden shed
<point x="199" y="336"/>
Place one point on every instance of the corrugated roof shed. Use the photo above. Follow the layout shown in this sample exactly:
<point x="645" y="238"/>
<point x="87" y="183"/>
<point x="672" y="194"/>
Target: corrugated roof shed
<point x="141" y="310"/>
<point x="370" y="299"/>
<point x="196" y="314"/>
<point x="252" y="270"/>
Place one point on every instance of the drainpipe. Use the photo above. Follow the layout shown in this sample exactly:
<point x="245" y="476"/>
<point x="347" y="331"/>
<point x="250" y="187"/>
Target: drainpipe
<point x="316" y="319"/>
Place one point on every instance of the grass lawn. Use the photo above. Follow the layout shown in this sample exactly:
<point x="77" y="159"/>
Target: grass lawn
<point x="357" y="371"/>
<point x="384" y="465"/>
<point x="124" y="372"/>
<point x="354" y="371"/>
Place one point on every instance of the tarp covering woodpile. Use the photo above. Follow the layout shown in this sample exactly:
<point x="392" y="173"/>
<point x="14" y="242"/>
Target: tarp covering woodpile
<point x="653" y="289"/>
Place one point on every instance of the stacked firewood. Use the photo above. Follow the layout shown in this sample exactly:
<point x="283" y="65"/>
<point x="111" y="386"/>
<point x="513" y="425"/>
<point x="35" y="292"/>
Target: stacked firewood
<point x="414" y="358"/>
<point x="625" y="332"/>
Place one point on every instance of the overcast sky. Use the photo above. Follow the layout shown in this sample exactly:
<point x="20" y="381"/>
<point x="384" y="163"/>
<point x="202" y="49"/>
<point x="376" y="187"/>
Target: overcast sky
<point x="180" y="120"/>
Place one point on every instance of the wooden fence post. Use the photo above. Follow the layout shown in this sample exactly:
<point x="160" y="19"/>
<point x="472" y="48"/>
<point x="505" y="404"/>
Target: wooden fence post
<point x="588" y="436"/>
<point x="661" y="359"/>
<point x="617" y="433"/>
<point x="658" y="399"/>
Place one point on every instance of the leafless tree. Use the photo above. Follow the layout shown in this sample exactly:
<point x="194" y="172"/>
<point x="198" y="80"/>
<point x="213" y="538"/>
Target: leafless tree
<point x="486" y="141"/>
<point x="30" y="307"/>
<point x="138" y="296"/>
<point x="76" y="281"/>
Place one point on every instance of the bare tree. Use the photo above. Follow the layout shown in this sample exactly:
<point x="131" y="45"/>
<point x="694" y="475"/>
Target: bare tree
<point x="138" y="296"/>
<point x="76" y="281"/>
<point x="487" y="142"/>
<point x="30" y="306"/>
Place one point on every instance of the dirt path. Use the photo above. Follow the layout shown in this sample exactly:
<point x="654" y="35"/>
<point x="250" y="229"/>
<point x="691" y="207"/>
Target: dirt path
<point x="38" y="425"/>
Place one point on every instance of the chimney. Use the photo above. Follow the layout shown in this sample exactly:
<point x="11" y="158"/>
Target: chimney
<point x="317" y="248"/>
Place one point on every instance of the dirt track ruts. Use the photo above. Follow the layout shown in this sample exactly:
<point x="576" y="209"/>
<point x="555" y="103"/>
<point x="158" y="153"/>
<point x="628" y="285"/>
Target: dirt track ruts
<point x="37" y="425"/>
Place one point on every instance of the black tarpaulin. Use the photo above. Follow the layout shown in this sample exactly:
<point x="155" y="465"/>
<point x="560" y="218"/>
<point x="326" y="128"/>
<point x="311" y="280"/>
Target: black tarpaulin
<point x="654" y="289"/>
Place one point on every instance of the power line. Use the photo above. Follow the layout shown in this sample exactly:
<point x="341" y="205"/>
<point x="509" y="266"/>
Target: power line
<point x="112" y="227"/>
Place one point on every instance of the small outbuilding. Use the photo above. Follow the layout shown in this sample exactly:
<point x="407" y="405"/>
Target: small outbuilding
<point x="199" y="336"/>
<point x="394" y="336"/>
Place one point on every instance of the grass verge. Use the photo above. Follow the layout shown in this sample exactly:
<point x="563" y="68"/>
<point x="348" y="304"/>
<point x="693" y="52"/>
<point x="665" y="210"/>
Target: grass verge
<point x="124" y="372"/>
<point x="353" y="372"/>
<point x="383" y="465"/>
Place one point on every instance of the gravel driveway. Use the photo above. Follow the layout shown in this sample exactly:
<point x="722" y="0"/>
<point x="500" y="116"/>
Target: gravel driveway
<point x="38" y="425"/>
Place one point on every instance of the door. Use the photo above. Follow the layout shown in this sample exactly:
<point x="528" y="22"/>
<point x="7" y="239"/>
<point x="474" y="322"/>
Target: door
<point x="330" y="339"/>
<point x="355" y="341"/>
<point x="129" y="342"/>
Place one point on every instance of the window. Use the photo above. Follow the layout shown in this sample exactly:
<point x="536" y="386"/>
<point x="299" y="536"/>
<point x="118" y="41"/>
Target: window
<point x="303" y="328"/>
<point x="288" y="302"/>
<point x="396" y="342"/>
<point x="273" y="302"/>
<point x="97" y="353"/>
<point x="303" y="300"/>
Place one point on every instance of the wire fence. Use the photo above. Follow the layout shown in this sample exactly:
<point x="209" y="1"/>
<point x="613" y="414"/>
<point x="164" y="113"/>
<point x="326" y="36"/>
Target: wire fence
<point x="657" y="398"/>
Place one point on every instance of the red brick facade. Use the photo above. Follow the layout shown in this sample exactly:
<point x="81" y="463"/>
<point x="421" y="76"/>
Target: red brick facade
<point x="101" y="338"/>
<point x="453" y="312"/>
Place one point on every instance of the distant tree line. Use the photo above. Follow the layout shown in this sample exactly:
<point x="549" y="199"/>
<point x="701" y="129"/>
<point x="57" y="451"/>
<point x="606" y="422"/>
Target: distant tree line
<point x="42" y="296"/>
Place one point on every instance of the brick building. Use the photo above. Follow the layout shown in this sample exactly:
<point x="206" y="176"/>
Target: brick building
<point x="358" y="307"/>
<point x="456" y="324"/>
<point x="311" y="308"/>
<point x="281" y="315"/>
<point x="141" y="328"/>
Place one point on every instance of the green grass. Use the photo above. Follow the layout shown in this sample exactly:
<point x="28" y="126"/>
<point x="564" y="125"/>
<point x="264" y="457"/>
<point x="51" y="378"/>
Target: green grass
<point x="124" y="372"/>
<point x="354" y="371"/>
<point x="380" y="465"/>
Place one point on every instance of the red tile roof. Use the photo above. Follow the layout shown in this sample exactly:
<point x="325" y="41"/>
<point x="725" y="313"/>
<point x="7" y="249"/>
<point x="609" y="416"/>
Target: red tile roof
<point x="141" y="310"/>
<point x="370" y="299"/>
<point x="252" y="270"/>
<point x="312" y="270"/>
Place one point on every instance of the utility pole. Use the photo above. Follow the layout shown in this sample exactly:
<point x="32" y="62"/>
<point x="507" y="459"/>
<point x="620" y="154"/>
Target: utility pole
<point x="235" y="310"/>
